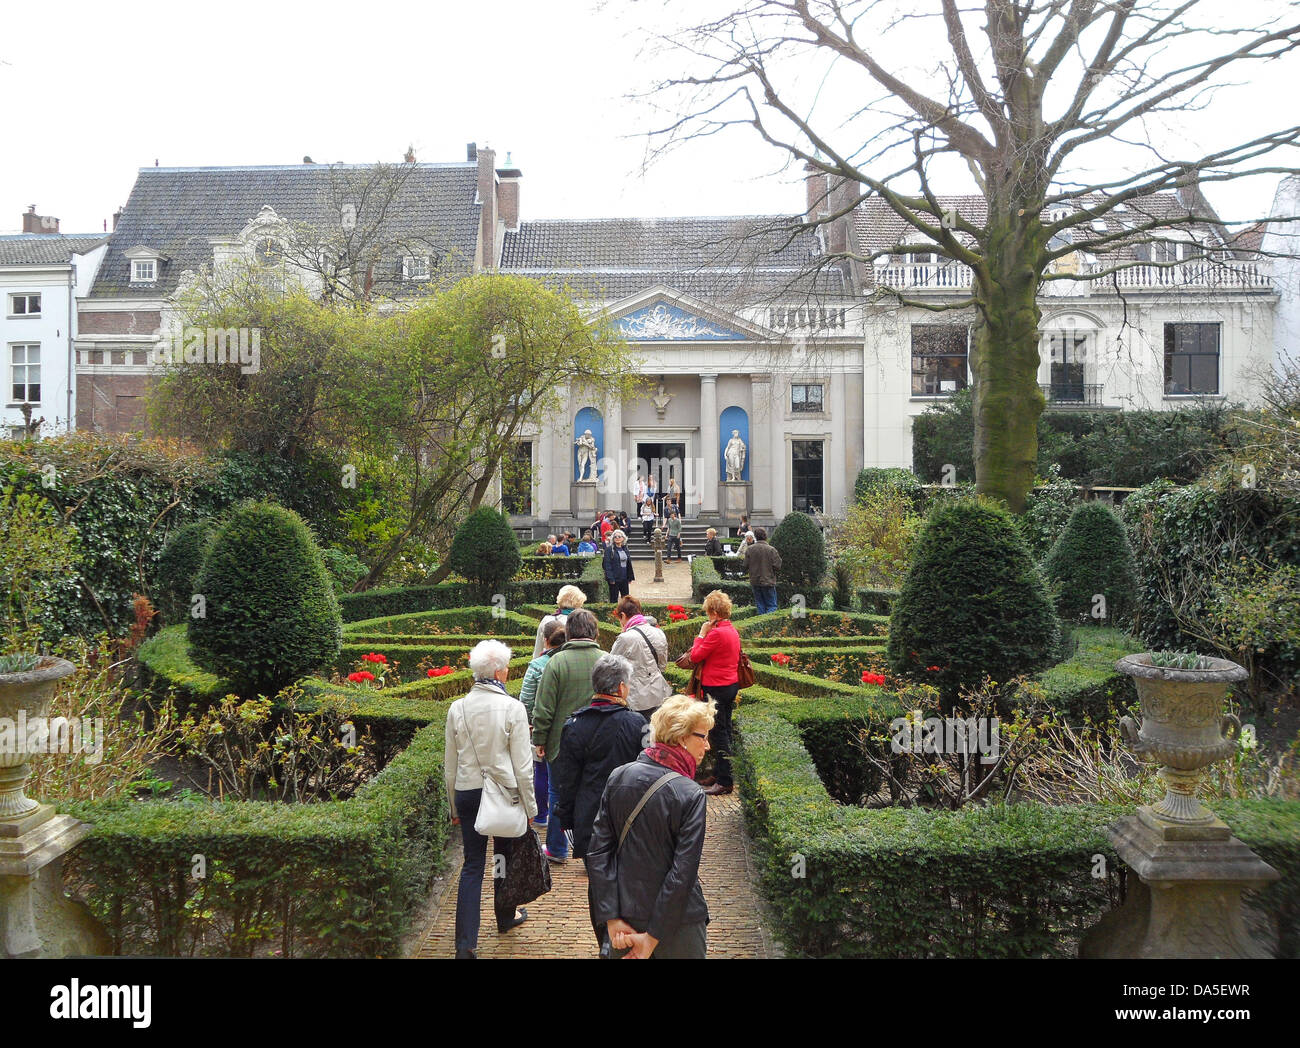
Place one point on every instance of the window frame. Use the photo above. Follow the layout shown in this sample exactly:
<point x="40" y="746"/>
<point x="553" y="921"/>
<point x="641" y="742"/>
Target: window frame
<point x="27" y="313"/>
<point x="10" y="365"/>
<point x="408" y="273"/>
<point x="963" y="383"/>
<point x="1172" y="353"/>
<point x="136" y="263"/>
<point x="804" y="411"/>
<point x="795" y="496"/>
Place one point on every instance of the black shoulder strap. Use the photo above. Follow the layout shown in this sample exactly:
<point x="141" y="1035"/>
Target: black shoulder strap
<point x="653" y="654"/>
<point x="641" y="804"/>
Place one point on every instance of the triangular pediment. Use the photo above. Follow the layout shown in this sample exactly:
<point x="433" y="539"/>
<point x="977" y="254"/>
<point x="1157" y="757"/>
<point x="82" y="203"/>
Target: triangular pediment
<point x="661" y="314"/>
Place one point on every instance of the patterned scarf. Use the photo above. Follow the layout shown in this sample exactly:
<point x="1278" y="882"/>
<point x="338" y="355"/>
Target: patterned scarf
<point x="675" y="758"/>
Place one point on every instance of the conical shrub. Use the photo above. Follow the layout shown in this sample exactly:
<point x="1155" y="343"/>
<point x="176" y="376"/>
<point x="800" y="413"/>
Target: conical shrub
<point x="269" y="615"/>
<point x="1090" y="568"/>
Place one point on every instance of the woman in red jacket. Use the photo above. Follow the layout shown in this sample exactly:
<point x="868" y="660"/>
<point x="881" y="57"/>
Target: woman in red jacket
<point x="718" y="648"/>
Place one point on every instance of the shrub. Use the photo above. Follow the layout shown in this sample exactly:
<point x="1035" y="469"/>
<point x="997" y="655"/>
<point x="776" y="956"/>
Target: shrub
<point x="803" y="551"/>
<point x="36" y="548"/>
<point x="178" y="566"/>
<point x="485" y="551"/>
<point x="875" y="478"/>
<point x="842" y="586"/>
<point x="973" y="604"/>
<point x="1047" y="510"/>
<point x="1192" y="545"/>
<point x="877" y="536"/>
<point x="1092" y="556"/>
<point x="271" y="615"/>
<point x="345" y="569"/>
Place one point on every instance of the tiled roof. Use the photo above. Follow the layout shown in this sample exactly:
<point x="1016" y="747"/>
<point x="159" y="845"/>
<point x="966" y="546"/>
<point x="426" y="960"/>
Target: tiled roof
<point x="46" y="248"/>
<point x="177" y="211"/>
<point x="723" y="260"/>
<point x="877" y="227"/>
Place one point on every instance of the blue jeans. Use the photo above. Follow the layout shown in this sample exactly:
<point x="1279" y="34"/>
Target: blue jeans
<point x="470" y="890"/>
<point x="765" y="598"/>
<point x="542" y="789"/>
<point x="557" y="841"/>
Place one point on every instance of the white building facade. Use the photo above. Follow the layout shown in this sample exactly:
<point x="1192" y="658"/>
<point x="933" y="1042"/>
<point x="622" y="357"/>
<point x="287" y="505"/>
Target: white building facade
<point x="41" y="277"/>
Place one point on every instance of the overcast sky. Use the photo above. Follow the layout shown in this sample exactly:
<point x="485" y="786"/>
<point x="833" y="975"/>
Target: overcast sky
<point x="101" y="90"/>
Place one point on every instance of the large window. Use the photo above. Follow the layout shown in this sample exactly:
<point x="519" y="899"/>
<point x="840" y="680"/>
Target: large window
<point x="805" y="397"/>
<point x="938" y="359"/>
<point x="1191" y="359"/>
<point x="1068" y="353"/>
<point x="517" y="481"/>
<point x="806" y="475"/>
<point x="25" y="374"/>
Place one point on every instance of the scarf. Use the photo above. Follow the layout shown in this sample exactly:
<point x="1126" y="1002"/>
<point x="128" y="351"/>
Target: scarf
<point x="635" y="620"/>
<point x="492" y="682"/>
<point x="674" y="758"/>
<point x="600" y="699"/>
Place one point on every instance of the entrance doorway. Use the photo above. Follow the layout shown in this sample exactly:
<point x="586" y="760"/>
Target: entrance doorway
<point x="663" y="461"/>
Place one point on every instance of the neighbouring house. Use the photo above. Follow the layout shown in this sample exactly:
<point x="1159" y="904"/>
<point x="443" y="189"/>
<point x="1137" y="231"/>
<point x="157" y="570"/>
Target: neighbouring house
<point x="42" y="274"/>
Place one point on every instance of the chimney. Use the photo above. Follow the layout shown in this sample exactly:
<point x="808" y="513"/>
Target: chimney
<point x="844" y="195"/>
<point x="34" y="223"/>
<point x="508" y="194"/>
<point x="410" y="155"/>
<point x="487" y="196"/>
<point x="818" y="202"/>
<point x="471" y="152"/>
<point x="117" y="215"/>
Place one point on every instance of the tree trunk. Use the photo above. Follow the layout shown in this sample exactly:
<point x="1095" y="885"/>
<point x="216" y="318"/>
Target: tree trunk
<point x="1004" y="361"/>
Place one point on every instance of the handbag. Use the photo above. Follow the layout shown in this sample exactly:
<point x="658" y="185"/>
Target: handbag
<point x="606" y="950"/>
<point x="695" y="686"/>
<point x="528" y="874"/>
<point x="500" y="812"/>
<point x="744" y="672"/>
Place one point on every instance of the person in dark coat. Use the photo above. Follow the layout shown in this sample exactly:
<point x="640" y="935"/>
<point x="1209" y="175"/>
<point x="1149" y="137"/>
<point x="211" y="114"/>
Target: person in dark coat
<point x="647" y="892"/>
<point x="712" y="544"/>
<point x="597" y="739"/>
<point x="618" y="567"/>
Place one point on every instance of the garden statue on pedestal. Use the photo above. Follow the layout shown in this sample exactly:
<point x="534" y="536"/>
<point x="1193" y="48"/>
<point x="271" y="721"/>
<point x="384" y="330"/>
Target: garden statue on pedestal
<point x="586" y="445"/>
<point x="734" y="453"/>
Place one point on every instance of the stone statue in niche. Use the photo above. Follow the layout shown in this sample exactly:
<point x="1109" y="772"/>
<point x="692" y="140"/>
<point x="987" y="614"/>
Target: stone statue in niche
<point x="586" y="445"/>
<point x="734" y="453"/>
<point x="661" y="399"/>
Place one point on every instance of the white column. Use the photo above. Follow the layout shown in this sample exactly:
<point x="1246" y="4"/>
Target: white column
<point x="708" y="474"/>
<point x="616" y="495"/>
<point x="835" y="462"/>
<point x="763" y="464"/>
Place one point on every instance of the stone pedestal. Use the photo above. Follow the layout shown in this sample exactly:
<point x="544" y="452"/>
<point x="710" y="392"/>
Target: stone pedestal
<point x="36" y="918"/>
<point x="735" y="499"/>
<point x="1187" y="901"/>
<point x="582" y="499"/>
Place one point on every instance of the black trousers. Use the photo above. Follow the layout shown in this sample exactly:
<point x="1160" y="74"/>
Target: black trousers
<point x="674" y="541"/>
<point x="720" y="734"/>
<point x="647" y="526"/>
<point x="617" y="589"/>
<point x="469" y="890"/>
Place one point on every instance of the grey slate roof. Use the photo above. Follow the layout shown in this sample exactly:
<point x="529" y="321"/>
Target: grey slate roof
<point x="46" y="248"/>
<point x="723" y="260"/>
<point x="178" y="210"/>
<point x="877" y="227"/>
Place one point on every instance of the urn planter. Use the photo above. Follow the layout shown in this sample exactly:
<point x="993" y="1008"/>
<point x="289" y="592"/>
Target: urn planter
<point x="24" y="697"/>
<point x="1183" y="727"/>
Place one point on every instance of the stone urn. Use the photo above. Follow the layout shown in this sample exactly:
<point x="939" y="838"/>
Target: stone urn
<point x="23" y="697"/>
<point x="1183" y="727"/>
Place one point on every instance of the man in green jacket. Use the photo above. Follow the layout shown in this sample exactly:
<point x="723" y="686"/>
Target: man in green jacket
<point x="564" y="689"/>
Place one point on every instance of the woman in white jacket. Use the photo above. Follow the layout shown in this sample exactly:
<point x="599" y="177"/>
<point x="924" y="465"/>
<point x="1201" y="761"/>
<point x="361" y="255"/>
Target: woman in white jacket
<point x="644" y="645"/>
<point x="487" y="732"/>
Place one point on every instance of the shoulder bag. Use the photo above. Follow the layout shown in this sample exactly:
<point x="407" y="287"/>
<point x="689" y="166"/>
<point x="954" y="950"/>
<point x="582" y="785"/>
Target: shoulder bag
<point x="500" y="812"/>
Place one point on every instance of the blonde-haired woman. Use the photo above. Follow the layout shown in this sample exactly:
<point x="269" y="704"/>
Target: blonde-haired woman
<point x="569" y="599"/>
<point x="717" y="648"/>
<point x="643" y="872"/>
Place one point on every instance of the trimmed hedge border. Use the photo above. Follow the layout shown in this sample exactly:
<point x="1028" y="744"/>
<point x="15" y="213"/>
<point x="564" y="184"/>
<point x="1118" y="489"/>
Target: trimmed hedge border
<point x="705" y="577"/>
<point x="997" y="881"/>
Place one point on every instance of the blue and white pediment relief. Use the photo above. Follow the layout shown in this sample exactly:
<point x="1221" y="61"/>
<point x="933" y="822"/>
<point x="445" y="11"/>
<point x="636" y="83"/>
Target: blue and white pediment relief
<point x="665" y="322"/>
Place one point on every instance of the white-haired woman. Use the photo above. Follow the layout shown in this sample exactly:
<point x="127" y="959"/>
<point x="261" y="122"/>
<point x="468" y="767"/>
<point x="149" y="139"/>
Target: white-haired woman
<point x="618" y="566"/>
<point x="487" y="733"/>
<point x="568" y="600"/>
<point x="645" y="888"/>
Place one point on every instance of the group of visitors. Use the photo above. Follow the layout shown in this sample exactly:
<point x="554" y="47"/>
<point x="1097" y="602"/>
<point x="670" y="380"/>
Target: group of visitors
<point x="611" y="774"/>
<point x="661" y="503"/>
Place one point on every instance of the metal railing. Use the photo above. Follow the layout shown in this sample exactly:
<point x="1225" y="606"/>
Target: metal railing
<point x="1073" y="394"/>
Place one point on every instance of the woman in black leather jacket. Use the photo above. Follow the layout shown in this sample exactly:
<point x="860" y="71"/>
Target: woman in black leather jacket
<point x="647" y="891"/>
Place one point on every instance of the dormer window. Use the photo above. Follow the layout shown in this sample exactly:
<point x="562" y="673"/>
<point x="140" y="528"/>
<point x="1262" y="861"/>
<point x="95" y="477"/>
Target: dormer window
<point x="415" y="267"/>
<point x="144" y="263"/>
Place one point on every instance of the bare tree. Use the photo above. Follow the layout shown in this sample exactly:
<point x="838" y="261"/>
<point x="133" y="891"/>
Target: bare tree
<point x="1023" y="94"/>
